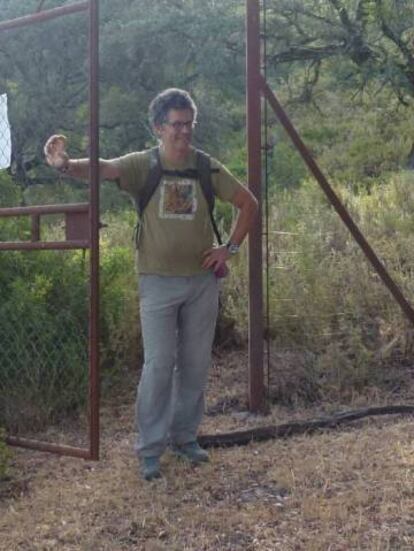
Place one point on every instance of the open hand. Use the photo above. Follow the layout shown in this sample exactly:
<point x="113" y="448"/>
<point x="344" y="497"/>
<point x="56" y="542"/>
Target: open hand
<point x="55" y="151"/>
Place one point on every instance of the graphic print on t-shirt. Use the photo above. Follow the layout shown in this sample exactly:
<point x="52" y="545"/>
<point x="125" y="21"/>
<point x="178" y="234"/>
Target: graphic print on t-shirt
<point x="178" y="199"/>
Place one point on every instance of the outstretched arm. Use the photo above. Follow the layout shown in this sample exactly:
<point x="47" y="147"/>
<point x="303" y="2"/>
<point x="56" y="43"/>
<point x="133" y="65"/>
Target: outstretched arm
<point x="57" y="157"/>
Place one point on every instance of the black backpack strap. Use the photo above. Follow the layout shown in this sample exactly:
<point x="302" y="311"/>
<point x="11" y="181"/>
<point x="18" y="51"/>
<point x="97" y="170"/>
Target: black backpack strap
<point x="204" y="171"/>
<point x="153" y="179"/>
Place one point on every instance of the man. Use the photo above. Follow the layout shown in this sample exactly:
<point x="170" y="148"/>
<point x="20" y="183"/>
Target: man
<point x="177" y="267"/>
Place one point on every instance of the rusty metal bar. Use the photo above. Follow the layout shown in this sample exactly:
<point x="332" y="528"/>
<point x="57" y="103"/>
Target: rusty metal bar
<point x="40" y="17"/>
<point x="254" y="131"/>
<point x="46" y="447"/>
<point x="44" y="209"/>
<point x="77" y="226"/>
<point x="94" y="379"/>
<point x="336" y="203"/>
<point x="35" y="230"/>
<point x="43" y="245"/>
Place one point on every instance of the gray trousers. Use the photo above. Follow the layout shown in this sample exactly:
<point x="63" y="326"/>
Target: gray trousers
<point x="178" y="318"/>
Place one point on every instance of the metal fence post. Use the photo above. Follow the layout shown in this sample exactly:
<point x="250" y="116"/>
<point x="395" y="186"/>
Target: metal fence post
<point x="256" y="378"/>
<point x="94" y="382"/>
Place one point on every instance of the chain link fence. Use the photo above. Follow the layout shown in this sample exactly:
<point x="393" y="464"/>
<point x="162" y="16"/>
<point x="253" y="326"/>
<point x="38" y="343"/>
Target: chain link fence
<point x="335" y="332"/>
<point x="43" y="340"/>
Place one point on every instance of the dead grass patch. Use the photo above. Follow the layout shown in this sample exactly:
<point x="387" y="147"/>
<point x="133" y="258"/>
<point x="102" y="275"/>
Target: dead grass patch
<point x="335" y="490"/>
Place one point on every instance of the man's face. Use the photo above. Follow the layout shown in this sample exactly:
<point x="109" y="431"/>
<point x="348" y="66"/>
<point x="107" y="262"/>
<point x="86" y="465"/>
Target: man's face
<point x="176" y="132"/>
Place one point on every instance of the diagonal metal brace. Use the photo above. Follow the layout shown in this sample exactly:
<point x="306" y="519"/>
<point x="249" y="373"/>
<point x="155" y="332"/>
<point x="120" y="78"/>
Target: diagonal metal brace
<point x="336" y="202"/>
<point x="42" y="16"/>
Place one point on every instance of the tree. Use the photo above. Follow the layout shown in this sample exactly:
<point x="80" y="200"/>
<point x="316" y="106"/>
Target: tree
<point x="145" y="46"/>
<point x="372" y="38"/>
<point x="44" y="72"/>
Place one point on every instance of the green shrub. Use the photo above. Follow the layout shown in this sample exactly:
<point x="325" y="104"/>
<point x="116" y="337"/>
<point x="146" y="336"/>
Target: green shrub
<point x="10" y="192"/>
<point x="120" y="327"/>
<point x="334" y="327"/>
<point x="43" y="352"/>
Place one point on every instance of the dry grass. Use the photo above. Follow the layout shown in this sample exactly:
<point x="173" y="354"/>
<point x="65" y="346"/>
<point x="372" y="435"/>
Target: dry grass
<point x="337" y="491"/>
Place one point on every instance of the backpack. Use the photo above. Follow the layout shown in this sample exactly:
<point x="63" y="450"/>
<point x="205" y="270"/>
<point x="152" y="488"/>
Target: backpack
<point x="202" y="172"/>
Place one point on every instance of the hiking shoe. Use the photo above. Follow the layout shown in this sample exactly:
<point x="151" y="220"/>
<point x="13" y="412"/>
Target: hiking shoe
<point x="150" y="467"/>
<point x="191" y="452"/>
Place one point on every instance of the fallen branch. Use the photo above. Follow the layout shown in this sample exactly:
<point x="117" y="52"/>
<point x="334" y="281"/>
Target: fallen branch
<point x="240" y="438"/>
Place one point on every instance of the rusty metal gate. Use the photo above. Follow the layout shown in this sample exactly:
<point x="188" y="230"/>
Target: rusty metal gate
<point x="32" y="363"/>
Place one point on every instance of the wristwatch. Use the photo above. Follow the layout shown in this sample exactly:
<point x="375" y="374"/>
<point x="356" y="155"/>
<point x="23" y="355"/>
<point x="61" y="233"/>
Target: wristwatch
<point x="232" y="248"/>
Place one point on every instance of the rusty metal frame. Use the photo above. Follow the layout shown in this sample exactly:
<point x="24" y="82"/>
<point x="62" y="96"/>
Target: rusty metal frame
<point x="90" y="241"/>
<point x="254" y="164"/>
<point x="257" y="87"/>
<point x="43" y="16"/>
<point x="76" y="238"/>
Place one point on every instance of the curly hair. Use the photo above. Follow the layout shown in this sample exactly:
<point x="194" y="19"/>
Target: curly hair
<point x="172" y="98"/>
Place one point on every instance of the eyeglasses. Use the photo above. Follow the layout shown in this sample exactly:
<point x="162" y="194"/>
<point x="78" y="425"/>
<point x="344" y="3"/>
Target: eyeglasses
<point x="178" y="125"/>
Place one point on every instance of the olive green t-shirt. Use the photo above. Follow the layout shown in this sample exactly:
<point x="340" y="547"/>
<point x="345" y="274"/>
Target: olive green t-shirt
<point x="175" y="229"/>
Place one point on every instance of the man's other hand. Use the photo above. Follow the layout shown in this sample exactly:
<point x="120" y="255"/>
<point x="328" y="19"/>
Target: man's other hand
<point x="215" y="258"/>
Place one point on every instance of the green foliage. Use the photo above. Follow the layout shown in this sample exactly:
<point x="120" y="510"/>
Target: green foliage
<point x="368" y="41"/>
<point x="286" y="168"/>
<point x="342" y="68"/>
<point x="44" y="320"/>
<point x="120" y="327"/>
<point x="44" y="71"/>
<point x="10" y="195"/>
<point x="43" y="349"/>
<point x="334" y="328"/>
<point x="356" y="143"/>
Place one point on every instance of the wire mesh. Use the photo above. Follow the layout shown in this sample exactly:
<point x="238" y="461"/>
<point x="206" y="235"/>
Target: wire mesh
<point x="43" y="341"/>
<point x="44" y="294"/>
<point x="334" y="329"/>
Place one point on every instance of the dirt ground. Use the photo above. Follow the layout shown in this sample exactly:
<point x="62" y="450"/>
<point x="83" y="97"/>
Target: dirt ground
<point x="338" y="490"/>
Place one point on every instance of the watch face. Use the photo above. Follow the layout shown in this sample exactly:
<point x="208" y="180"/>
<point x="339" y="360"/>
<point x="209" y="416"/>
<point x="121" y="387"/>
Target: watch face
<point x="233" y="249"/>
